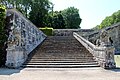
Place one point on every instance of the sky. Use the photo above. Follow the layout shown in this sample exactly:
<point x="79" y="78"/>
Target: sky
<point x="92" y="12"/>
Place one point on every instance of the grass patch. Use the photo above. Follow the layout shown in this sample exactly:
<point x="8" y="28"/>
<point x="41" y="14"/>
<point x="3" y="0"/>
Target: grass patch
<point x="117" y="60"/>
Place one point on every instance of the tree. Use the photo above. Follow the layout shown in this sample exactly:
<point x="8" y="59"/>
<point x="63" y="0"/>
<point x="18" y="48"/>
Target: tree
<point x="65" y="19"/>
<point x="58" y="21"/>
<point x="22" y="5"/>
<point x="26" y="6"/>
<point x="3" y="37"/>
<point x="55" y="20"/>
<point x="72" y="17"/>
<point x="109" y="20"/>
<point x="39" y="12"/>
<point x="35" y="10"/>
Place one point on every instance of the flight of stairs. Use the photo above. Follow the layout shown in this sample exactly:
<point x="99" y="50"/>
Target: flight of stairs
<point x="60" y="52"/>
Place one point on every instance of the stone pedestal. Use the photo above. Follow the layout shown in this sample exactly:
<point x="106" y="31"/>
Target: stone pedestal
<point x="107" y="58"/>
<point x="15" y="58"/>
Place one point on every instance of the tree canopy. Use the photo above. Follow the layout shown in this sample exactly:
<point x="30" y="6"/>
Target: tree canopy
<point x="109" y="20"/>
<point x="41" y="13"/>
<point x="72" y="18"/>
<point x="22" y="5"/>
<point x="65" y="19"/>
<point x="56" y="20"/>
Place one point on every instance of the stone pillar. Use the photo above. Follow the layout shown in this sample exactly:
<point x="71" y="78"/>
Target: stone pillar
<point x="107" y="57"/>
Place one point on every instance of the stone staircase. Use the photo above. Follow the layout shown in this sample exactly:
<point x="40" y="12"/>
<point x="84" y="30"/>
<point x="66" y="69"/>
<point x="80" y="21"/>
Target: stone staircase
<point x="60" y="52"/>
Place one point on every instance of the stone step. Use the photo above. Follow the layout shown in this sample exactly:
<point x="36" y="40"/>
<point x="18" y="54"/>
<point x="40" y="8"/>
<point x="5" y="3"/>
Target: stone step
<point x="71" y="49"/>
<point x="59" y="56"/>
<point x="51" y="61"/>
<point x="81" y="60"/>
<point x="58" y="66"/>
<point x="60" y="63"/>
<point x="62" y="57"/>
<point x="73" y="62"/>
<point x="60" y="37"/>
<point x="63" y="52"/>
<point x="62" y="42"/>
<point x="63" y="48"/>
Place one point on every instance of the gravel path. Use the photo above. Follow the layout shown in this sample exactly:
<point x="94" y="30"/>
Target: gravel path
<point x="59" y="74"/>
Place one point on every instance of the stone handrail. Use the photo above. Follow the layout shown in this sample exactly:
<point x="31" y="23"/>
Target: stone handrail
<point x="23" y="38"/>
<point x="103" y="55"/>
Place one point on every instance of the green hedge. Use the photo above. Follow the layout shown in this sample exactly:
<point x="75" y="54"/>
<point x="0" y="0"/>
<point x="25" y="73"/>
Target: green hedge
<point x="3" y="37"/>
<point x="47" y="30"/>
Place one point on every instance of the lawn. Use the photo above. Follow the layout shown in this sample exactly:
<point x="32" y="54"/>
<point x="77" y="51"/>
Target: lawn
<point x="117" y="60"/>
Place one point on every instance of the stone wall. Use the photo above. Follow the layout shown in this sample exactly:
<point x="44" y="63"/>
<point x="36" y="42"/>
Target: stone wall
<point x="69" y="32"/>
<point x="23" y="38"/>
<point x="114" y="33"/>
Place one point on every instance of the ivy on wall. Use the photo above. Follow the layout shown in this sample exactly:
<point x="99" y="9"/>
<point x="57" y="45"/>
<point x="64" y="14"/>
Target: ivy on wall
<point x="3" y="37"/>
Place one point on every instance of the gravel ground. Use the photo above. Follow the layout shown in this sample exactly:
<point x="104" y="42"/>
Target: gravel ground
<point x="59" y="74"/>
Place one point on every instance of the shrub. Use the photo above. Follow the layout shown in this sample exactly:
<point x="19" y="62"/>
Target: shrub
<point x="47" y="30"/>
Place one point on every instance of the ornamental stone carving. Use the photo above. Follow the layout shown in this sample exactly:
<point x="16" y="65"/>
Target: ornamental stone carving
<point x="108" y="54"/>
<point x="104" y="39"/>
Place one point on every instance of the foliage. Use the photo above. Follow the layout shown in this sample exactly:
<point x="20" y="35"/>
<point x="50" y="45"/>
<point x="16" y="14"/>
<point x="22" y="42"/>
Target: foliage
<point x="72" y="18"/>
<point x="35" y="10"/>
<point x="47" y="30"/>
<point x="56" y="20"/>
<point x="3" y="37"/>
<point x="22" y="5"/>
<point x="109" y="20"/>
<point x="65" y="19"/>
<point x="96" y="27"/>
<point x="39" y="12"/>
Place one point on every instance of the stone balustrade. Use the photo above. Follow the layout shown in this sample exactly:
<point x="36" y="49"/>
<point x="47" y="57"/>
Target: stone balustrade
<point x="104" y="55"/>
<point x="24" y="37"/>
